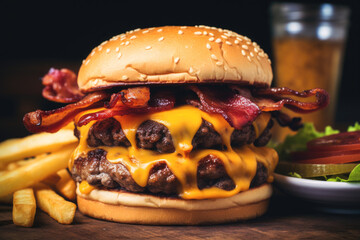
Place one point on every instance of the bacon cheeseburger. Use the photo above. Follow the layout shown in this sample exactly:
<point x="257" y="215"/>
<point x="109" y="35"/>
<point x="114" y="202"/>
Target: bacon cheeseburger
<point x="172" y="125"/>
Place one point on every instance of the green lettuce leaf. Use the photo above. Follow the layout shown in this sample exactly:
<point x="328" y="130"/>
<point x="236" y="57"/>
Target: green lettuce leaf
<point x="354" y="176"/>
<point x="298" y="141"/>
<point x="356" y="127"/>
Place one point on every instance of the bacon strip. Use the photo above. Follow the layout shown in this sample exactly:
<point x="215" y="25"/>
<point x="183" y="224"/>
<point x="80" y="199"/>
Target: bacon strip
<point x="272" y="99"/>
<point x="160" y="101"/>
<point x="131" y="97"/>
<point x="237" y="110"/>
<point x="53" y="120"/>
<point x="61" y="86"/>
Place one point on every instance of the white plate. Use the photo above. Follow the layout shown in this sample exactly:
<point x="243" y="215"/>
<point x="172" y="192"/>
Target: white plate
<point x="337" y="194"/>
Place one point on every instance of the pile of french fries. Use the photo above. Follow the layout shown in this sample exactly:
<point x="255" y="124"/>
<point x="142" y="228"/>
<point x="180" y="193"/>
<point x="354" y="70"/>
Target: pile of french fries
<point x="33" y="174"/>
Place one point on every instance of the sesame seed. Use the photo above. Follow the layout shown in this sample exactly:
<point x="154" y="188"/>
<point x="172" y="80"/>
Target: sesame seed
<point x="127" y="43"/>
<point x="197" y="33"/>
<point x="122" y="37"/>
<point x="256" y="49"/>
<point x="211" y="39"/>
<point x="228" y="43"/>
<point x="117" y="49"/>
<point x="119" y="55"/>
<point x="145" y="31"/>
<point x="132" y="37"/>
<point x="143" y="76"/>
<point x="244" y="46"/>
<point x="254" y="44"/>
<point x="243" y="52"/>
<point x="238" y="38"/>
<point x="213" y="56"/>
<point x="124" y="77"/>
<point x="183" y="27"/>
<point x="211" y="34"/>
<point x="148" y="47"/>
<point x="218" y="40"/>
<point x="177" y="59"/>
<point x="191" y="70"/>
<point x="261" y="54"/>
<point x="92" y="53"/>
<point x="248" y="43"/>
<point x="108" y="50"/>
<point x="160" y="39"/>
<point x="135" y="30"/>
<point x="100" y="48"/>
<point x="251" y="54"/>
<point x="208" y="46"/>
<point x="236" y="41"/>
<point x="247" y="39"/>
<point x="248" y="57"/>
<point x="86" y="63"/>
<point x="205" y="33"/>
<point x="103" y="43"/>
<point x="122" y="43"/>
<point x="114" y="38"/>
<point x="159" y="30"/>
<point x="219" y="63"/>
<point x="180" y="32"/>
<point x="224" y="37"/>
<point x="83" y="61"/>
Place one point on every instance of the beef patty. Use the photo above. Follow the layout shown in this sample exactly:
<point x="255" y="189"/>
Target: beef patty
<point x="156" y="136"/>
<point x="98" y="171"/>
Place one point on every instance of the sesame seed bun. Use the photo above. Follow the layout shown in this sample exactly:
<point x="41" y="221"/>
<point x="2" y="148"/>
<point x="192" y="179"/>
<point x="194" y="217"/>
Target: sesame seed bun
<point x="146" y="209"/>
<point x="175" y="55"/>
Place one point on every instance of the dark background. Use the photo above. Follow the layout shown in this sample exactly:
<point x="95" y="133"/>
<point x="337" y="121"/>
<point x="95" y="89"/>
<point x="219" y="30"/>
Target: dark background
<point x="38" y="35"/>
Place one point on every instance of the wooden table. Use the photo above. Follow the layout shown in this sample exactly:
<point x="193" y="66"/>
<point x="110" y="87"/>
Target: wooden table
<point x="287" y="218"/>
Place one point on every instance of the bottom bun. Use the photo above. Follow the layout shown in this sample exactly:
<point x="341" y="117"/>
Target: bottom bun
<point x="177" y="216"/>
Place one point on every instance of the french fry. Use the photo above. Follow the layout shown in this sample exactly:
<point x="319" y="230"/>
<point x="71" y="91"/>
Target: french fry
<point x="66" y="185"/>
<point x="35" y="171"/>
<point x="3" y="172"/>
<point x="51" y="180"/>
<point x="54" y="205"/>
<point x="24" y="207"/>
<point x="16" y="149"/>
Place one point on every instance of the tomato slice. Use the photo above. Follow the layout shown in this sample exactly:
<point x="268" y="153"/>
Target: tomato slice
<point x="336" y="142"/>
<point x="303" y="155"/>
<point x="349" y="158"/>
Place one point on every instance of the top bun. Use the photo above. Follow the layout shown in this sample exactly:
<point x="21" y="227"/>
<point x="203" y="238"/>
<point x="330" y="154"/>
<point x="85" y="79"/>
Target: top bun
<point x="174" y="55"/>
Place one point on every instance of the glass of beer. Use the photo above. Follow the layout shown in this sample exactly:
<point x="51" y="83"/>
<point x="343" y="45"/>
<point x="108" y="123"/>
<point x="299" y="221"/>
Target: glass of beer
<point x="308" y="46"/>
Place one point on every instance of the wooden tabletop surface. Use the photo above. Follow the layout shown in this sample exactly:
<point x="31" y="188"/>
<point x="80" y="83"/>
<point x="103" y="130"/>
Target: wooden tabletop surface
<point x="287" y="218"/>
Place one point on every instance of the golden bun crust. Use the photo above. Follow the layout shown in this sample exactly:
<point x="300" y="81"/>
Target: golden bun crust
<point x="175" y="55"/>
<point x="249" y="204"/>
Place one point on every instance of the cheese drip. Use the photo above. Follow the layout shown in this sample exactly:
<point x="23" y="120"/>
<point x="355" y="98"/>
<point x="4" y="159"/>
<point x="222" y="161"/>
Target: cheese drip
<point x="183" y="123"/>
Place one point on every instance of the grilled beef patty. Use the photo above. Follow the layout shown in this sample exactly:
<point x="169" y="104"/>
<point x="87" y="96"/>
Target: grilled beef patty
<point x="98" y="171"/>
<point x="155" y="136"/>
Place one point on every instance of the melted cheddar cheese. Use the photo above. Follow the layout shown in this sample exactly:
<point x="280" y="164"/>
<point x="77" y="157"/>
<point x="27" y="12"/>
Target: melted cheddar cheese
<point x="183" y="123"/>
